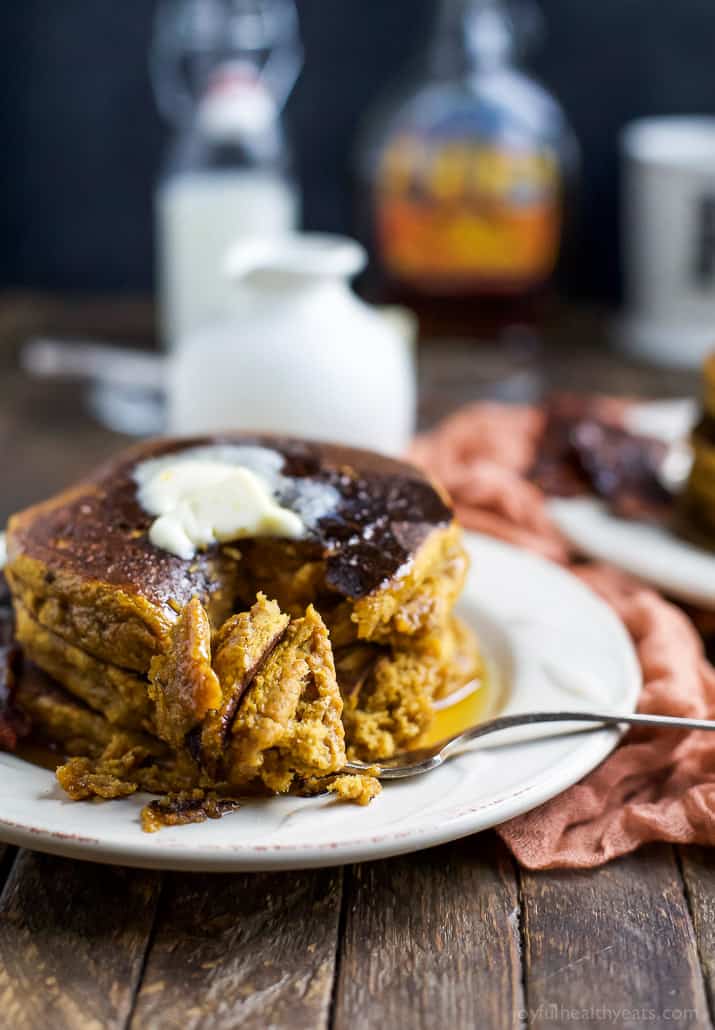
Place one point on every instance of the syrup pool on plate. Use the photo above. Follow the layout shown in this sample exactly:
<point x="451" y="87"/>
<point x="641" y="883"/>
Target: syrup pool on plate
<point x="476" y="701"/>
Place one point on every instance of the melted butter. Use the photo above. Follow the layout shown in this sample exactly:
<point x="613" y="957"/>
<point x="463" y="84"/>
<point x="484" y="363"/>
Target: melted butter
<point x="200" y="503"/>
<point x="218" y="494"/>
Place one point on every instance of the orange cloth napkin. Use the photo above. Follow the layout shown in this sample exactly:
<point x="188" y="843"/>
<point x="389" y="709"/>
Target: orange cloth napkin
<point x="657" y="784"/>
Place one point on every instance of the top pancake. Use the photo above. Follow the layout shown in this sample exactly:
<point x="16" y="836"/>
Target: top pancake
<point x="98" y="530"/>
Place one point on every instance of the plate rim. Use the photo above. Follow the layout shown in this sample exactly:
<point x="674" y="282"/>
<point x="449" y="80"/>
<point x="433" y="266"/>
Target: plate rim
<point x="559" y="507"/>
<point x="669" y="419"/>
<point x="447" y="826"/>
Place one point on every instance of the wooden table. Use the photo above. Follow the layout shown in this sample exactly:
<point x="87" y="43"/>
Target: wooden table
<point x="456" y="937"/>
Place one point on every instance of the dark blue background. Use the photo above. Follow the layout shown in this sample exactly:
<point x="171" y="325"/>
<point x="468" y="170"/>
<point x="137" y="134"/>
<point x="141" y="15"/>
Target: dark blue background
<point x="82" y="141"/>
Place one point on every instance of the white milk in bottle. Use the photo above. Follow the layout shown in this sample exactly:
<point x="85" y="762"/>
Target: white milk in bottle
<point x="227" y="176"/>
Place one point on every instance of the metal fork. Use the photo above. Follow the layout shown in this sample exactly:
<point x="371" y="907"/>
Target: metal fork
<point x="425" y="759"/>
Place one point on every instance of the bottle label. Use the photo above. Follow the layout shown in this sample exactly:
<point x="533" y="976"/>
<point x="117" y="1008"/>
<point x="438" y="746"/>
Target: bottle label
<point x="455" y="216"/>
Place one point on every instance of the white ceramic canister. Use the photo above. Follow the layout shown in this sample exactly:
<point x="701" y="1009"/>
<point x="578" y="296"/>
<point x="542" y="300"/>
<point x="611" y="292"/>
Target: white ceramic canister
<point x="300" y="353"/>
<point x="668" y="238"/>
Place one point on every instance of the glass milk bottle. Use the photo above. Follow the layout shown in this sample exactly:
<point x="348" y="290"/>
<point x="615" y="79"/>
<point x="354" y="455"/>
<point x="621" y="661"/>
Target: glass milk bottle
<point x="223" y="70"/>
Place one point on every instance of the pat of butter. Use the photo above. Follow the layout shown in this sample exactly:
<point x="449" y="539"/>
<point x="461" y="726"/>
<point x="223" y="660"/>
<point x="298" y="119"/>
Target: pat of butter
<point x="201" y="502"/>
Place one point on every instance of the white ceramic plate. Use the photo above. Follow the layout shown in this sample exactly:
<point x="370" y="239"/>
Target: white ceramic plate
<point x="549" y="644"/>
<point x="650" y="552"/>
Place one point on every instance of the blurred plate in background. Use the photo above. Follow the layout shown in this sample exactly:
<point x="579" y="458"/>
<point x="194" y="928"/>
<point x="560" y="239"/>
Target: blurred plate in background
<point x="652" y="553"/>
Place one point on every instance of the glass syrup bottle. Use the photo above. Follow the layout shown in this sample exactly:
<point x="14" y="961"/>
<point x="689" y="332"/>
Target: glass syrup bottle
<point x="463" y="179"/>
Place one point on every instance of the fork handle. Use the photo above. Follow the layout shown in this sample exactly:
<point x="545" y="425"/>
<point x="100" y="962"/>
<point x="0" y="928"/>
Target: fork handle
<point x="505" y="722"/>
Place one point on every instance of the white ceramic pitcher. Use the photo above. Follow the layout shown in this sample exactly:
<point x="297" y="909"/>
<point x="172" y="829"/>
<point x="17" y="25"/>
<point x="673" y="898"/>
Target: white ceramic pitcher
<point x="301" y="353"/>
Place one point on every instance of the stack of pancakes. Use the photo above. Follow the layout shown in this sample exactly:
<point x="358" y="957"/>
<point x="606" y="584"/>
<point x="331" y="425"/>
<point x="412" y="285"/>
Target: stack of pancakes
<point x="698" y="501"/>
<point x="262" y="660"/>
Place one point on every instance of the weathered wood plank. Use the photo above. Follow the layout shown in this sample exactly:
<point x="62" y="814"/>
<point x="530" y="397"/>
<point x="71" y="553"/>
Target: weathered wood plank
<point x="250" y="951"/>
<point x="698" y="866"/>
<point x="72" y="943"/>
<point x="432" y="940"/>
<point x="612" y="946"/>
<point x="7" y="853"/>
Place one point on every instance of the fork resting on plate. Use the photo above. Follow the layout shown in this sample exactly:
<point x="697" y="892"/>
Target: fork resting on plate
<point x="425" y="759"/>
